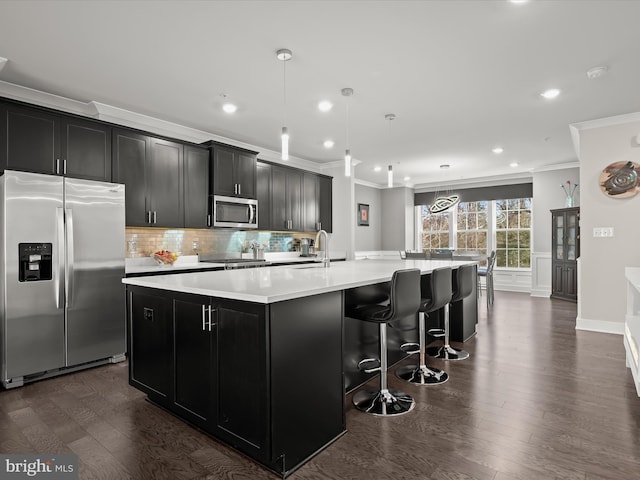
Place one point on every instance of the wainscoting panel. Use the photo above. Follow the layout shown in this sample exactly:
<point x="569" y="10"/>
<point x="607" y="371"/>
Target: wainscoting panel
<point x="540" y="274"/>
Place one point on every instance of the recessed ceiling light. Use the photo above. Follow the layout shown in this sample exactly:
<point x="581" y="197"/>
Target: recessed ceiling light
<point x="513" y="164"/>
<point x="551" y="93"/>
<point x="518" y="1"/>
<point x="497" y="150"/>
<point x="406" y="179"/>
<point x="377" y="169"/>
<point x="328" y="143"/>
<point x="325" y="106"/>
<point x="229" y="108"/>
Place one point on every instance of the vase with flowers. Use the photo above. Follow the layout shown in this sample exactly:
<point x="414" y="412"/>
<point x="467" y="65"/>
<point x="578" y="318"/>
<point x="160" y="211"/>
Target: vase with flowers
<point x="569" y="189"/>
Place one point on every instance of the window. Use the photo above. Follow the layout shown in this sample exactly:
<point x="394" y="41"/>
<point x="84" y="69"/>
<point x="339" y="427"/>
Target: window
<point x="435" y="229"/>
<point x="513" y="233"/>
<point x="500" y="225"/>
<point x="472" y="227"/>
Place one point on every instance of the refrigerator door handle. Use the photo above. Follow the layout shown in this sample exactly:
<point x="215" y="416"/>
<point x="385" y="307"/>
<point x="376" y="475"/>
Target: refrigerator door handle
<point x="70" y="277"/>
<point x="59" y="267"/>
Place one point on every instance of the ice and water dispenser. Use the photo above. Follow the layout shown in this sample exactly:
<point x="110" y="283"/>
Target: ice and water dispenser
<point x="35" y="261"/>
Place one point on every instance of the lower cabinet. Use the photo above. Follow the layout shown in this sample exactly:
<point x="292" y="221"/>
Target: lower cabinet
<point x="252" y="375"/>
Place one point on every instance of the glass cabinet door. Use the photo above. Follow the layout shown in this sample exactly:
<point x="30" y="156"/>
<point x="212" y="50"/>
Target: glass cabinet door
<point x="558" y="238"/>
<point x="571" y="233"/>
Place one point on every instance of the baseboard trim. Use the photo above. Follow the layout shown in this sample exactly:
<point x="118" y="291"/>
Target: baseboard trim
<point x="601" y="326"/>
<point x="541" y="292"/>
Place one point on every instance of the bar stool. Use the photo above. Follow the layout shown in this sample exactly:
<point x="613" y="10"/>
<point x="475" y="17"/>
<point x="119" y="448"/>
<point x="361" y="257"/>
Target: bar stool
<point x="487" y="273"/>
<point x="463" y="288"/>
<point x="404" y="300"/>
<point x="438" y="293"/>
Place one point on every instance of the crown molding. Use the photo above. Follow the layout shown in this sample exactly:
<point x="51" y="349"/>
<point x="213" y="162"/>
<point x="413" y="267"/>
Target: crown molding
<point x="576" y="128"/>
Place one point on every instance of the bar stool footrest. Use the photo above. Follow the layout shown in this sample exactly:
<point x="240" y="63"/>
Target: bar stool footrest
<point x="410" y="348"/>
<point x="369" y="365"/>
<point x="436" y="332"/>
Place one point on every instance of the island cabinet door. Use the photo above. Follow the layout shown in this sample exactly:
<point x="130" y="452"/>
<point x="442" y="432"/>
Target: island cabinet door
<point x="193" y="337"/>
<point x="150" y="352"/>
<point x="241" y="414"/>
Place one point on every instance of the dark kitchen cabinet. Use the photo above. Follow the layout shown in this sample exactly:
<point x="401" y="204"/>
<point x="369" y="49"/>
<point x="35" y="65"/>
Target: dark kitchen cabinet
<point x="316" y="202"/>
<point x="326" y="203"/>
<point x="241" y="375"/>
<point x="194" y="343"/>
<point x="37" y="140"/>
<point x="263" y="194"/>
<point x="286" y="198"/>
<point x="150" y="344"/>
<point x="565" y="250"/>
<point x="151" y="169"/>
<point x="233" y="172"/>
<point x="233" y="367"/>
<point x="196" y="187"/>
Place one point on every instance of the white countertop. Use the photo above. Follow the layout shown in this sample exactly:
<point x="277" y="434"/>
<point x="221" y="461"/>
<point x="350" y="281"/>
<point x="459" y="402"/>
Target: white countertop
<point x="278" y="283"/>
<point x="142" y="265"/>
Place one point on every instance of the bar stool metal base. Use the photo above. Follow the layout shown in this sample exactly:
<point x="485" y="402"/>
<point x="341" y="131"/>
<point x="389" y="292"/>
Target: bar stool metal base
<point x="422" y="375"/>
<point x="447" y="352"/>
<point x="383" y="403"/>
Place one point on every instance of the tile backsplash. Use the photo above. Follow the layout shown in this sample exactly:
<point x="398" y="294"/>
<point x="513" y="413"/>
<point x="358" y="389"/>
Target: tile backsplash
<point x="142" y="242"/>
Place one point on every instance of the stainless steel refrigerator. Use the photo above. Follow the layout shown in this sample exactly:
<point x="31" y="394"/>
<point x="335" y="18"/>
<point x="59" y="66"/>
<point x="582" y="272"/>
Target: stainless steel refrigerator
<point x="62" y="302"/>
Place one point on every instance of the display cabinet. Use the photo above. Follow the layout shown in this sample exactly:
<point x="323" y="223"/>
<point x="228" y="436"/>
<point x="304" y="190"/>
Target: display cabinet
<point x="565" y="250"/>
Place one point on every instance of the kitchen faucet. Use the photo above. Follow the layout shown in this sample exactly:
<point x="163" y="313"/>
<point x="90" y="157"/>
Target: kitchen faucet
<point x="325" y="247"/>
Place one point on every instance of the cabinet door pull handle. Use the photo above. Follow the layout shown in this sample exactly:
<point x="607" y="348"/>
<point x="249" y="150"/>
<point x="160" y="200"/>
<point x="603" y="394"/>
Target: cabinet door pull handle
<point x="64" y="166"/>
<point x="203" y="322"/>
<point x="211" y="324"/>
<point x="239" y="189"/>
<point x="235" y="188"/>
<point x="57" y="166"/>
<point x="154" y="217"/>
<point x="209" y="220"/>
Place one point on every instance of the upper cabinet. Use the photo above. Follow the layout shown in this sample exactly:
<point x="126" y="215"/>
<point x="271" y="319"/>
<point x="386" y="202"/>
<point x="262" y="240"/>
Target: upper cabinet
<point x="234" y="171"/>
<point x="293" y="199"/>
<point x="152" y="171"/>
<point x="39" y="141"/>
<point x="196" y="187"/>
<point x="316" y="190"/>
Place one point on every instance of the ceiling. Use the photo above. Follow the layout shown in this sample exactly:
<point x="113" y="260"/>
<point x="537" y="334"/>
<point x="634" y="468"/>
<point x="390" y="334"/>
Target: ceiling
<point x="460" y="76"/>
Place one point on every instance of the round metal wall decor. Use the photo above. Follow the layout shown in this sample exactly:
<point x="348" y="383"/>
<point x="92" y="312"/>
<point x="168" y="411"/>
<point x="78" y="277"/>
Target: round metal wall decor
<point x="620" y="180"/>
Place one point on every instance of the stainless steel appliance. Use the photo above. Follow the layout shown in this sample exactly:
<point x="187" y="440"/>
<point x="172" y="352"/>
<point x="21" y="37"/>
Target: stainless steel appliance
<point x="61" y="298"/>
<point x="235" y="212"/>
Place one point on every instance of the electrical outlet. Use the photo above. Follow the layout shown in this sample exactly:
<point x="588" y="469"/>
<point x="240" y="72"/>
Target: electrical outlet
<point x="194" y="245"/>
<point x="602" y="232"/>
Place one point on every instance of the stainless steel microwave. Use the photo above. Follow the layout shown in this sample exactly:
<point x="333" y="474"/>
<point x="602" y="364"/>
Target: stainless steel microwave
<point x="235" y="212"/>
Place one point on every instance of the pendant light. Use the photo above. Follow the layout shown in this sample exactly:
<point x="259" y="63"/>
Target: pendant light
<point x="284" y="54"/>
<point x="347" y="92"/>
<point x="444" y="201"/>
<point x="389" y="117"/>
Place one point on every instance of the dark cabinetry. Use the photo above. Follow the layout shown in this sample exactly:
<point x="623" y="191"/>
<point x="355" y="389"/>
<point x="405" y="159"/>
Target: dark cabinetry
<point x="286" y="198"/>
<point x="565" y="249"/>
<point x="233" y="172"/>
<point x="151" y="169"/>
<point x="196" y="187"/>
<point x="316" y="203"/>
<point x="40" y="141"/>
<point x="293" y="199"/>
<point x="232" y="368"/>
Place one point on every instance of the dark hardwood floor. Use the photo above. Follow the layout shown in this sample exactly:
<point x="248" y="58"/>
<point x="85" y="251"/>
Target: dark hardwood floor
<point x="536" y="400"/>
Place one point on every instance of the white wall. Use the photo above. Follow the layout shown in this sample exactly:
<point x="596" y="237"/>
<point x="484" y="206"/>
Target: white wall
<point x="547" y="195"/>
<point x="601" y="282"/>
<point x="397" y="216"/>
<point x="343" y="221"/>
<point x="369" y="238"/>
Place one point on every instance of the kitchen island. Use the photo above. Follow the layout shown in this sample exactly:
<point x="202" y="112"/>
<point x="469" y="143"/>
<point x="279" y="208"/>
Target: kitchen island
<point x="255" y="357"/>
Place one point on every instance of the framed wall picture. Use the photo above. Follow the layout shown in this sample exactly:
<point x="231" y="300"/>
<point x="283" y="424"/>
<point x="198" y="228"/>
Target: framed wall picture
<point x="363" y="215"/>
